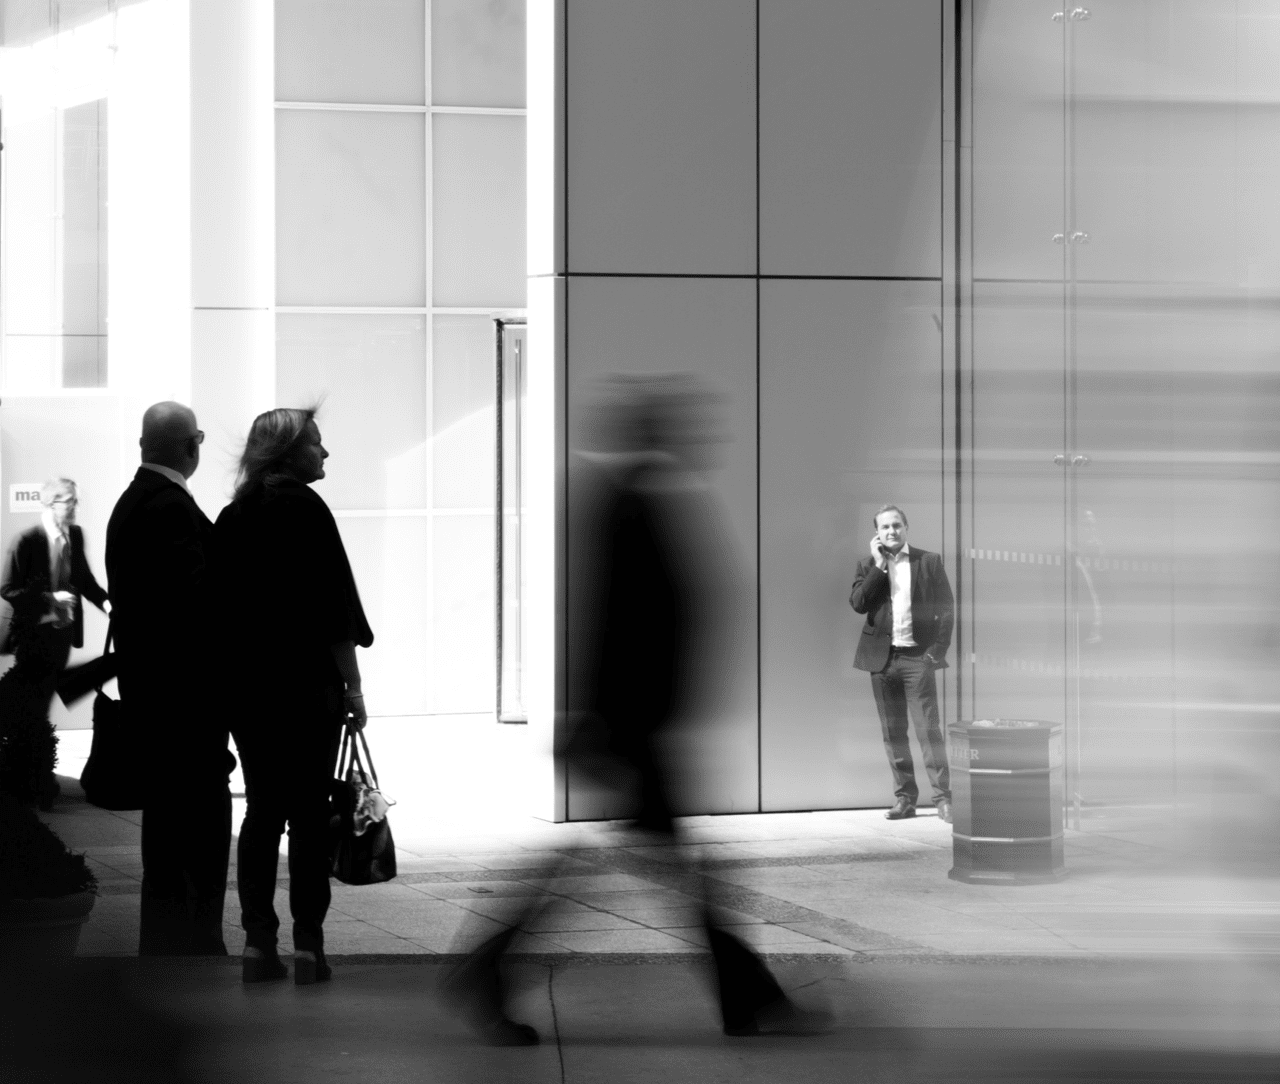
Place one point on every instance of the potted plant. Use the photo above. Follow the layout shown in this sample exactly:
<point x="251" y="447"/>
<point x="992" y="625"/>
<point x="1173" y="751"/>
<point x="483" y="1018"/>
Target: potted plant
<point x="46" y="891"/>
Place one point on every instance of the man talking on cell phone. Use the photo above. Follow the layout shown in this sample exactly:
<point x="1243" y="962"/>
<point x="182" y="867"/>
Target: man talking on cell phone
<point x="910" y="614"/>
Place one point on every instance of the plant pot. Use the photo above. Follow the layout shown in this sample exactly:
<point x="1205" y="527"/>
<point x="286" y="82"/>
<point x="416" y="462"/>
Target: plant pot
<point x="43" y="929"/>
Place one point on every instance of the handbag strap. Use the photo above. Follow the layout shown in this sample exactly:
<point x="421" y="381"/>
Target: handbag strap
<point x="349" y="757"/>
<point x="106" y="647"/>
<point x="368" y="759"/>
<point x="344" y="753"/>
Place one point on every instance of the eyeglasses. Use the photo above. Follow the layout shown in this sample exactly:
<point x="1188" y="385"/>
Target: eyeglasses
<point x="70" y="501"/>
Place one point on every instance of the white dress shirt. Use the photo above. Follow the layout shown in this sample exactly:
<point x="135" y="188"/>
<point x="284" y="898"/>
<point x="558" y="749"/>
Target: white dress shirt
<point x="169" y="473"/>
<point x="900" y="593"/>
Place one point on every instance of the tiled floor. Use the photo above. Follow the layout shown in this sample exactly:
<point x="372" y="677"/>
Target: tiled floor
<point x="834" y="883"/>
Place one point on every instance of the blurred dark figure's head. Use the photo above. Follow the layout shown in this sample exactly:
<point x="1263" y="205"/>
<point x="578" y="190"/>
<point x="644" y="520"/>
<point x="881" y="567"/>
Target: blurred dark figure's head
<point x="671" y="414"/>
<point x="650" y="601"/>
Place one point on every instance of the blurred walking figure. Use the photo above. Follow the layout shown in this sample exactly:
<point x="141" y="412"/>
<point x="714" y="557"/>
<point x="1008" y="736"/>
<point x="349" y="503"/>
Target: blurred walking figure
<point x="160" y="572"/>
<point x="653" y="621"/>
<point x="910" y="614"/>
<point x="46" y="577"/>
<point x="292" y="620"/>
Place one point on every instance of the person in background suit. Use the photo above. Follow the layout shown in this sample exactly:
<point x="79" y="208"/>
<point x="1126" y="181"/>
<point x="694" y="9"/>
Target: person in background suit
<point x="160" y="572"/>
<point x="910" y="614"/>
<point x="46" y="578"/>
<point x="293" y="620"/>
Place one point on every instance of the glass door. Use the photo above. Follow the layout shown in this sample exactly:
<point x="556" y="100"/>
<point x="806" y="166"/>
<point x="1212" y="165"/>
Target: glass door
<point x="1016" y="424"/>
<point x="1125" y="315"/>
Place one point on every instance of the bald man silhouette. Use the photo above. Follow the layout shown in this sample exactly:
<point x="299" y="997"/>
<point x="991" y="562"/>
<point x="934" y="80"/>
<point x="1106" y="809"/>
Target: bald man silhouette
<point x="160" y="575"/>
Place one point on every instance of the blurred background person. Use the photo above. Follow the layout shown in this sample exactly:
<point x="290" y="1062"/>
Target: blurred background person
<point x="160" y="572"/>
<point x="653" y="619"/>
<point x="292" y="619"/>
<point x="46" y="577"/>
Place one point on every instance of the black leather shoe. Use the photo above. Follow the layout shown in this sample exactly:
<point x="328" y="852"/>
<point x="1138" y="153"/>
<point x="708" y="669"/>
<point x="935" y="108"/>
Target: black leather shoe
<point x="902" y="808"/>
<point x="943" y="806"/>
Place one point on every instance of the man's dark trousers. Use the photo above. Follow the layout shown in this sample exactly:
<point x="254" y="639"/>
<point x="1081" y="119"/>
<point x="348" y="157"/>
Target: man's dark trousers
<point x="906" y="688"/>
<point x="186" y="833"/>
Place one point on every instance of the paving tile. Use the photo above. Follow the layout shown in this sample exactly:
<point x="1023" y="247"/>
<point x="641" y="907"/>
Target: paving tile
<point x="635" y="940"/>
<point x="769" y="875"/>
<point x="615" y="901"/>
<point x="346" y="946"/>
<point x="413" y="863"/>
<point x="814" y="892"/>
<point x="575" y="885"/>
<point x="442" y="923"/>
<point x="768" y="935"/>
<point x="470" y="890"/>
<point x="529" y="860"/>
<point x="535" y="943"/>
<point x="581" y="920"/>
<point x="663" y="917"/>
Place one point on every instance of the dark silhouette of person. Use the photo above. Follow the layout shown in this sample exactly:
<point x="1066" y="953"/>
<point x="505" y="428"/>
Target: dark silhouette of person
<point x="653" y="616"/>
<point x="46" y="578"/>
<point x="293" y="619"/>
<point x="160" y="571"/>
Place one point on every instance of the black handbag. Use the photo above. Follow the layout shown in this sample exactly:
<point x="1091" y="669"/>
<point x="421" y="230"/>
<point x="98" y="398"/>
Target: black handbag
<point x="113" y="776"/>
<point x="362" y="851"/>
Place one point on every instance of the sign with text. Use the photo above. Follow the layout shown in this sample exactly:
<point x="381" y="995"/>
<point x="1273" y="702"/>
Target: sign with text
<point x="25" y="497"/>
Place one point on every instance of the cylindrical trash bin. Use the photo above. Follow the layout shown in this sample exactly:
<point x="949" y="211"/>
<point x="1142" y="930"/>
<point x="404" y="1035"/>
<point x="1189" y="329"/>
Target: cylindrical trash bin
<point x="1006" y="801"/>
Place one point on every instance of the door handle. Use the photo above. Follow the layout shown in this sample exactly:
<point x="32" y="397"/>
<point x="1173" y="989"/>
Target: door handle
<point x="1079" y="14"/>
<point x="1079" y="238"/>
<point x="1059" y="460"/>
<point x="1079" y="460"/>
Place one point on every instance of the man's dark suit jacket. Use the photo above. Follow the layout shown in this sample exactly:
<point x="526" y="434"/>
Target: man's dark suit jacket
<point x="159" y="573"/>
<point x="932" y="610"/>
<point x="28" y="583"/>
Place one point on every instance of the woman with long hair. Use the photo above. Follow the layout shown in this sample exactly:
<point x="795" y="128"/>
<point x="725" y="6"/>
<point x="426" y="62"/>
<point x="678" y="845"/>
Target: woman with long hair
<point x="292" y="622"/>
